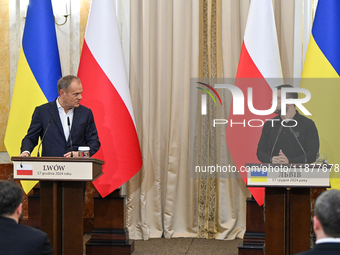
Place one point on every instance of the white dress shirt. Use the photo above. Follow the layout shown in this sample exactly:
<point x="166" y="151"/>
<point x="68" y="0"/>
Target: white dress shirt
<point x="63" y="118"/>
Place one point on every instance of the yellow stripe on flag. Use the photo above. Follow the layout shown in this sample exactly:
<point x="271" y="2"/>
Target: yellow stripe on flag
<point x="323" y="82"/>
<point x="258" y="179"/>
<point x="316" y="64"/>
<point x="26" y="87"/>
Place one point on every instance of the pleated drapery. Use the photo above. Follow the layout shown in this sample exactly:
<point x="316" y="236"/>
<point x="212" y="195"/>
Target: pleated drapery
<point x="172" y="43"/>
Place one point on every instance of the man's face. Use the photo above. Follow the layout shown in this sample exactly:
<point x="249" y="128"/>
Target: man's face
<point x="278" y="106"/>
<point x="71" y="98"/>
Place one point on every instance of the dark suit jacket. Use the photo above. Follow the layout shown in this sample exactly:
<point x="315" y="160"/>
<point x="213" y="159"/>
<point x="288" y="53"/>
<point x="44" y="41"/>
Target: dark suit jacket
<point x="83" y="131"/>
<point x="22" y="240"/>
<point x="323" y="249"/>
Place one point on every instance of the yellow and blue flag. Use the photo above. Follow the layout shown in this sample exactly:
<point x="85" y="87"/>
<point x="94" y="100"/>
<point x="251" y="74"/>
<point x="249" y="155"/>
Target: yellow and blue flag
<point x="321" y="76"/>
<point x="258" y="176"/>
<point x="37" y="75"/>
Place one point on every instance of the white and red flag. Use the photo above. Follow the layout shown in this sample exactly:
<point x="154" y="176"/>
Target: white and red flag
<point x="106" y="91"/>
<point x="259" y="63"/>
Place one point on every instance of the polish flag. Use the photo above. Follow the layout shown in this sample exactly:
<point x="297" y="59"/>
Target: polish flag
<point x="24" y="169"/>
<point x="106" y="92"/>
<point x="259" y="63"/>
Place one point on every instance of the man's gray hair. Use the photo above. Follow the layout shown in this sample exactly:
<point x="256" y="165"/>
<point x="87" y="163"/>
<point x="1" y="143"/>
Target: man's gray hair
<point x="327" y="210"/>
<point x="65" y="82"/>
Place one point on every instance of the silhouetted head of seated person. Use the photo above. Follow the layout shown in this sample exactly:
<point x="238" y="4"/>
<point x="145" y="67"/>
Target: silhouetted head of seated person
<point x="326" y="224"/>
<point x="16" y="238"/>
<point x="11" y="198"/>
<point x="326" y="220"/>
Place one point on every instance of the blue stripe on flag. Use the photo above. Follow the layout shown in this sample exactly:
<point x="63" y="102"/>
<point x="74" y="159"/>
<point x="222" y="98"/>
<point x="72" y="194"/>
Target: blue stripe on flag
<point x="326" y="30"/>
<point x="258" y="173"/>
<point x="40" y="46"/>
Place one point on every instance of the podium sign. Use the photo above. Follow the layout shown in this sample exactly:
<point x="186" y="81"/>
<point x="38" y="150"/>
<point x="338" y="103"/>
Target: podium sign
<point x="56" y="168"/>
<point x="288" y="175"/>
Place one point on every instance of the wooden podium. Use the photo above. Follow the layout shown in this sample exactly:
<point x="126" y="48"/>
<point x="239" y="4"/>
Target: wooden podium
<point x="287" y="209"/>
<point x="62" y="196"/>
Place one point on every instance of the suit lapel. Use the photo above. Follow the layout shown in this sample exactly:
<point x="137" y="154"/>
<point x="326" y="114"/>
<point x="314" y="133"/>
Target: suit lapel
<point x="76" y="117"/>
<point x="56" y="119"/>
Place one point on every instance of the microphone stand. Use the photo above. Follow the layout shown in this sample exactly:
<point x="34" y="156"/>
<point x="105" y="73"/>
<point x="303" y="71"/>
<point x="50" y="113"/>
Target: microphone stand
<point x="42" y="139"/>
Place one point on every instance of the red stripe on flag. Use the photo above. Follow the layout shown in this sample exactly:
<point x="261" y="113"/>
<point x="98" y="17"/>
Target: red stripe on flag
<point x="242" y="141"/>
<point x="24" y="172"/>
<point x="246" y="66"/>
<point x="119" y="141"/>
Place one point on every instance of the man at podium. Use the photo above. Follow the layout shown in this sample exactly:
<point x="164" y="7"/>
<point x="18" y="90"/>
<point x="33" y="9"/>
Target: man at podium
<point x="63" y="125"/>
<point x="289" y="138"/>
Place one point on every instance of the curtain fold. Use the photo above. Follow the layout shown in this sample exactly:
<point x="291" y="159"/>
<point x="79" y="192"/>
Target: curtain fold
<point x="173" y="43"/>
<point x="161" y="197"/>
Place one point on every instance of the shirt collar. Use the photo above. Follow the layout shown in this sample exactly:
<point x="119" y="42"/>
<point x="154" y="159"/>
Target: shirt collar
<point x="296" y="116"/>
<point x="60" y="107"/>
<point x="328" y="240"/>
<point x="58" y="104"/>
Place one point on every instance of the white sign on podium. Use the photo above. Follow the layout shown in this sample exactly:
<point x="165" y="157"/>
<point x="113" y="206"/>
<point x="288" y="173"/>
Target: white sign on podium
<point x="57" y="169"/>
<point x="288" y="175"/>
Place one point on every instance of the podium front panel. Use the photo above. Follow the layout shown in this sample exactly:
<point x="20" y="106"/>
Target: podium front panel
<point x="56" y="169"/>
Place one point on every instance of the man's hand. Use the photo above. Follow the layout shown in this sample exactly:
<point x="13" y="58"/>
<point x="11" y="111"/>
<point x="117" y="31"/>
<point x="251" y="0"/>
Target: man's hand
<point x="24" y="154"/>
<point x="75" y="154"/>
<point x="281" y="159"/>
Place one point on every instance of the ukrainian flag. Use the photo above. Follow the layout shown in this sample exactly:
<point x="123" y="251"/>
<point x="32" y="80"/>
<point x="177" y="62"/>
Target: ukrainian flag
<point x="37" y="75"/>
<point x="258" y="176"/>
<point x="323" y="62"/>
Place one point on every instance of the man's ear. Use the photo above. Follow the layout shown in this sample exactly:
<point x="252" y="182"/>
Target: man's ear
<point x="19" y="209"/>
<point x="316" y="224"/>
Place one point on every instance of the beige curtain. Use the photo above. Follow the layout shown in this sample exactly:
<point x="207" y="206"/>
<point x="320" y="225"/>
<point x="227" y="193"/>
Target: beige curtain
<point x="162" y="197"/>
<point x="173" y="43"/>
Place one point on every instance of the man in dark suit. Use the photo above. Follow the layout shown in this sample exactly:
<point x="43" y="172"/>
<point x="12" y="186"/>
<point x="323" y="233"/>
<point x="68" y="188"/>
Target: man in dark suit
<point x="326" y="224"/>
<point x="16" y="238"/>
<point x="57" y="118"/>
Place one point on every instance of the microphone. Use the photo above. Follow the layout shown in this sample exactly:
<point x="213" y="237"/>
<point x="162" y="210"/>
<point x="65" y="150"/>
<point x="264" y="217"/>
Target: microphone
<point x="304" y="153"/>
<point x="69" y="129"/>
<point x="42" y="139"/>
<point x="278" y="134"/>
